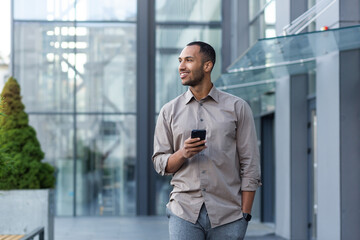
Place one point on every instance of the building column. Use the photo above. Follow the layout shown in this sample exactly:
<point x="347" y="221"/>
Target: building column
<point x="282" y="158"/>
<point x="327" y="110"/>
<point x="145" y="121"/>
<point x="338" y="104"/>
<point x="291" y="140"/>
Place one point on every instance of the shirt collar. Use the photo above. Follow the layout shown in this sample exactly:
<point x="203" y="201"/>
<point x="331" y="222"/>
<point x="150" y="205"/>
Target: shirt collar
<point x="214" y="94"/>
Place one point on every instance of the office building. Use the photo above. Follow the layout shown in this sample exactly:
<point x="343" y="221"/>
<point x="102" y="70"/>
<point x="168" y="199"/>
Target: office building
<point x="94" y="75"/>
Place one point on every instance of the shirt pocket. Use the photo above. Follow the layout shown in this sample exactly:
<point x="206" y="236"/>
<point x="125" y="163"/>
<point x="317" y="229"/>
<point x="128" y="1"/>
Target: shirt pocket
<point x="223" y="131"/>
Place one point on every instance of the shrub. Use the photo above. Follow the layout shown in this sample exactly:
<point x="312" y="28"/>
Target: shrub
<point x="21" y="154"/>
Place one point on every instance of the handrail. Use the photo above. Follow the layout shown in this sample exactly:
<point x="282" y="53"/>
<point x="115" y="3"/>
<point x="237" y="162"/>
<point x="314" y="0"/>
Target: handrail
<point x="271" y="65"/>
<point x="307" y="17"/>
<point x="38" y="231"/>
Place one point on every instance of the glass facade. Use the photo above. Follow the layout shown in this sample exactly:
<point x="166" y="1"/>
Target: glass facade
<point x="177" y="24"/>
<point x="262" y="16"/>
<point x="76" y="64"/>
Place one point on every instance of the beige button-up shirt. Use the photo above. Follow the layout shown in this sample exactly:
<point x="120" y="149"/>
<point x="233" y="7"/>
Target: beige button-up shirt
<point x="217" y="175"/>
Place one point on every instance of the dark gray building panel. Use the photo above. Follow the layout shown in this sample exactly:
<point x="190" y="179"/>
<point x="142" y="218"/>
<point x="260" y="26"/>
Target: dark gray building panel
<point x="350" y="143"/>
<point x="349" y="13"/>
<point x="298" y="156"/>
<point x="297" y="7"/>
<point x="226" y="31"/>
<point x="239" y="29"/>
<point x="349" y="127"/>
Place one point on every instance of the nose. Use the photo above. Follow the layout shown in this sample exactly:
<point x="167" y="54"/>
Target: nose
<point x="181" y="65"/>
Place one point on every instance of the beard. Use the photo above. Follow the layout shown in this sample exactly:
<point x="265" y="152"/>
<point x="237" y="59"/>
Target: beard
<point x="197" y="78"/>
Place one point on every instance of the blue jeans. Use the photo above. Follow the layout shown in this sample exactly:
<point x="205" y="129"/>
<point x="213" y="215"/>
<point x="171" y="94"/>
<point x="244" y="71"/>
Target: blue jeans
<point x="180" y="229"/>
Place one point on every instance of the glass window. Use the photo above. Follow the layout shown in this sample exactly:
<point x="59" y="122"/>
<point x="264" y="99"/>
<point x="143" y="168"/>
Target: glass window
<point x="55" y="134"/>
<point x="103" y="59"/>
<point x="106" y="146"/>
<point x="262" y="14"/>
<point x="108" y="10"/>
<point x="43" y="66"/>
<point x="91" y="62"/>
<point x="188" y="10"/>
<point x="84" y="10"/>
<point x="63" y="10"/>
<point x="106" y="67"/>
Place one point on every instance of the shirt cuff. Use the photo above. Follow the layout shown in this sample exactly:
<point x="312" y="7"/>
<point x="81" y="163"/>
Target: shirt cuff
<point x="250" y="184"/>
<point x="161" y="164"/>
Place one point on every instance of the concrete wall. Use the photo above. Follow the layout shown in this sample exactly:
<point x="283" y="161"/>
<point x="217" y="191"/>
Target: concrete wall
<point x="22" y="211"/>
<point x="327" y="107"/>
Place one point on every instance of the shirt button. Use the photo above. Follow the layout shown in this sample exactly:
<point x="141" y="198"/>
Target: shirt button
<point x="203" y="189"/>
<point x="201" y="119"/>
<point x="203" y="171"/>
<point x="201" y="104"/>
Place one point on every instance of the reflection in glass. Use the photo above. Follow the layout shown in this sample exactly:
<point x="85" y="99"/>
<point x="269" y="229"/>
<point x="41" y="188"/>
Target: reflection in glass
<point x="45" y="10"/>
<point x="188" y="10"/>
<point x="262" y="17"/>
<point x="106" y="149"/>
<point x="67" y="10"/>
<point x="103" y="59"/>
<point x="43" y="66"/>
<point x="55" y="133"/>
<point x="106" y="68"/>
<point x="106" y="10"/>
<point x="91" y="62"/>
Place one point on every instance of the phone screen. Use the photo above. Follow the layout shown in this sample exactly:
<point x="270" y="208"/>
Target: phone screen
<point x="199" y="133"/>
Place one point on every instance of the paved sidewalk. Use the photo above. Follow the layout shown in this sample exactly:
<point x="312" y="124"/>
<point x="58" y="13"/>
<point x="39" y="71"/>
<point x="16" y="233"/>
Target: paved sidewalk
<point x="133" y="228"/>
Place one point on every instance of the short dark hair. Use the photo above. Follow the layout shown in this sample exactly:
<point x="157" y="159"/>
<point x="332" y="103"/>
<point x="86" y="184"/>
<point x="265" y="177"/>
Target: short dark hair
<point x="207" y="51"/>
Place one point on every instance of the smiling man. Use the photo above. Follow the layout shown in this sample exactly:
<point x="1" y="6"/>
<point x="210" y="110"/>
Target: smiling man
<point x="214" y="180"/>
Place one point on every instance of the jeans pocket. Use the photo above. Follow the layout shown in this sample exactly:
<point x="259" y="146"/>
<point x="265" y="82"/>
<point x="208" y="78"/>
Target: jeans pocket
<point x="168" y="214"/>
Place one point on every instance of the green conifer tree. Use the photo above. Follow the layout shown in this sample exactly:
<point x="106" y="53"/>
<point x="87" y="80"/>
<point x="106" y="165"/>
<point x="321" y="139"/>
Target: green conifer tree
<point x="2" y="158"/>
<point x="20" y="165"/>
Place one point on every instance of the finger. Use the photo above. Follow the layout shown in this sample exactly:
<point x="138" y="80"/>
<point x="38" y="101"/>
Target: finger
<point x="195" y="144"/>
<point x="192" y="140"/>
<point x="196" y="149"/>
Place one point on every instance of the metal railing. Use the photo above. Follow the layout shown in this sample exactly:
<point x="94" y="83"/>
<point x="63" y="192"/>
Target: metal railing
<point x="38" y="231"/>
<point x="307" y="17"/>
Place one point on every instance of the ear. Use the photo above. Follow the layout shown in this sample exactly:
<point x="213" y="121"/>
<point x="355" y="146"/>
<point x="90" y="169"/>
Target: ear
<point x="208" y="66"/>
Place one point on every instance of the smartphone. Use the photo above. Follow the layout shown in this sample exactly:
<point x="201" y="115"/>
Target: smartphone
<point x="199" y="133"/>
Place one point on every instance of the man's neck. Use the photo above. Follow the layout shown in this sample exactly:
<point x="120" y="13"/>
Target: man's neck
<point x="201" y="91"/>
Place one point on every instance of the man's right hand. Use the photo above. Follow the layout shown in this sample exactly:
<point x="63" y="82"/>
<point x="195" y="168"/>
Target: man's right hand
<point x="191" y="147"/>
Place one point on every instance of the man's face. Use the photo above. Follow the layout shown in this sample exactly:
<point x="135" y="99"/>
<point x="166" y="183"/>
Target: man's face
<point x="191" y="66"/>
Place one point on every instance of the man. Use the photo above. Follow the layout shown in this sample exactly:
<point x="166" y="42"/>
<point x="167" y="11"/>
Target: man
<point x="213" y="184"/>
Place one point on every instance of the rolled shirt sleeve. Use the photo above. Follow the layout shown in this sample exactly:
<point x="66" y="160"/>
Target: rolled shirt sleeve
<point x="162" y="144"/>
<point x="248" y="150"/>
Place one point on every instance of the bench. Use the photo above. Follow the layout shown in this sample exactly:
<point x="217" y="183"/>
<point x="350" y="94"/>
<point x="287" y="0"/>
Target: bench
<point x="39" y="231"/>
<point x="11" y="237"/>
